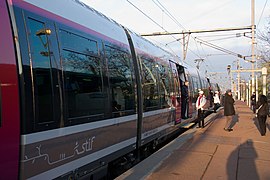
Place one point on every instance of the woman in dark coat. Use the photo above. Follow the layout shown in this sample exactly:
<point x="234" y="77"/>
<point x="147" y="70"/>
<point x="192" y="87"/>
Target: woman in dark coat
<point x="229" y="111"/>
<point x="262" y="112"/>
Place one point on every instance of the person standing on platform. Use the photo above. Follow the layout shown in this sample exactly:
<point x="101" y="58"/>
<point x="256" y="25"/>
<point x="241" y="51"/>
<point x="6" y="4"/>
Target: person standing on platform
<point x="222" y="98"/>
<point x="184" y="100"/>
<point x="262" y="112"/>
<point x="229" y="110"/>
<point x="253" y="102"/>
<point x="201" y="101"/>
<point x="210" y="97"/>
<point x="216" y="101"/>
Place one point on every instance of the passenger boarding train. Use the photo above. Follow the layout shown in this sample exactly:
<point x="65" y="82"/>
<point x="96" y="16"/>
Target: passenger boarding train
<point x="80" y="94"/>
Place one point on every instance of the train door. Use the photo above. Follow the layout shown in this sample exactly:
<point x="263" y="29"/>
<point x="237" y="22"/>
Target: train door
<point x="41" y="75"/>
<point x="178" y="79"/>
<point x="9" y="100"/>
<point x="192" y="94"/>
<point x="185" y="103"/>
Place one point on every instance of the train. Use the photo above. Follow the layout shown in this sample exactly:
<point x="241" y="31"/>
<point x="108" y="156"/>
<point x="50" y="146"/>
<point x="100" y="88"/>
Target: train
<point x="81" y="94"/>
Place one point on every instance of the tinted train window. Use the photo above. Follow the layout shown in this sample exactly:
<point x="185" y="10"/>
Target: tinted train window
<point x="176" y="83"/>
<point x="121" y="81"/>
<point x="196" y="84"/>
<point x="78" y="43"/>
<point x="150" y="84"/>
<point x="82" y="77"/>
<point x="192" y="94"/>
<point x="42" y="73"/>
<point x="164" y="85"/>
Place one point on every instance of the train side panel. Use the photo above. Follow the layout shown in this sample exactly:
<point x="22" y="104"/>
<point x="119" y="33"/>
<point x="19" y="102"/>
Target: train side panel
<point x="156" y="73"/>
<point x="9" y="100"/>
<point x="78" y="95"/>
<point x="90" y="97"/>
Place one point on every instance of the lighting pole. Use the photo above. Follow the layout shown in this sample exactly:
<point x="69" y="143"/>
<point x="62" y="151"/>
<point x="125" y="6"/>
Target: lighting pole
<point x="264" y="74"/>
<point x="252" y="44"/>
<point x="238" y="79"/>
<point x="231" y="77"/>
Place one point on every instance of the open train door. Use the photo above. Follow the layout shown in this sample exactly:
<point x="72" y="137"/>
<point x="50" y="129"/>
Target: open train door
<point x="178" y="80"/>
<point x="185" y="103"/>
<point x="9" y="100"/>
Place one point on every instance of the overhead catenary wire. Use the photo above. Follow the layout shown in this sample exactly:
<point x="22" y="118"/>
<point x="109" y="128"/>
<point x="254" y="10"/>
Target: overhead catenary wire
<point x="164" y="9"/>
<point x="218" y="39"/>
<point x="262" y="12"/>
<point x="206" y="58"/>
<point x="157" y="24"/>
<point x="146" y="15"/>
<point x="217" y="47"/>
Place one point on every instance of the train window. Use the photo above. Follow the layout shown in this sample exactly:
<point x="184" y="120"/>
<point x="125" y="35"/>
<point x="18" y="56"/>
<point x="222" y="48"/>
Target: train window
<point x="176" y="83"/>
<point x="121" y="81"/>
<point x="164" y="85"/>
<point x="192" y="94"/>
<point x="83" y="88"/>
<point x="42" y="73"/>
<point x="78" y="43"/>
<point x="196" y="84"/>
<point x="202" y="83"/>
<point x="205" y="84"/>
<point x="150" y="84"/>
<point x="83" y="85"/>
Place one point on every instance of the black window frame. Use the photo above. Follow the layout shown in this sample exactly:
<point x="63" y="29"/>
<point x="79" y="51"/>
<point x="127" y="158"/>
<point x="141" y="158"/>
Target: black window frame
<point x="91" y="117"/>
<point x="164" y="79"/>
<point x="115" y="112"/>
<point x="147" y="102"/>
<point x="30" y="123"/>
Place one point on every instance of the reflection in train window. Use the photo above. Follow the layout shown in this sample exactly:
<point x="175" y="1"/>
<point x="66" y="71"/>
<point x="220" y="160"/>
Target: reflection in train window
<point x="121" y="81"/>
<point x="84" y="97"/>
<point x="176" y="83"/>
<point x="164" y="85"/>
<point x="42" y="73"/>
<point x="83" y="85"/>
<point x="78" y="43"/>
<point x="196" y="84"/>
<point x="150" y="84"/>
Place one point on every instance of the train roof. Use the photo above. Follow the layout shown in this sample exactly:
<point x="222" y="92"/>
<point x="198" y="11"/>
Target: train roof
<point x="66" y="11"/>
<point x="83" y="15"/>
<point x="140" y="43"/>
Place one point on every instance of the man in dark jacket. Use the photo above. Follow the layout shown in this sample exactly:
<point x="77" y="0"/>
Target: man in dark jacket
<point x="229" y="111"/>
<point x="184" y="100"/>
<point x="262" y="112"/>
<point x="253" y="102"/>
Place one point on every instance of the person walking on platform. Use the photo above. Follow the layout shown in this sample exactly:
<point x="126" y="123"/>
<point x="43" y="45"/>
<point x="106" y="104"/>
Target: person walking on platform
<point x="229" y="110"/>
<point x="253" y="102"/>
<point x="262" y="112"/>
<point x="200" y="103"/>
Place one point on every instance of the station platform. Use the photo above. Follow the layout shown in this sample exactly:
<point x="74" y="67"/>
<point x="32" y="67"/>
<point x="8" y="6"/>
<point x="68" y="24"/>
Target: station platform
<point x="212" y="153"/>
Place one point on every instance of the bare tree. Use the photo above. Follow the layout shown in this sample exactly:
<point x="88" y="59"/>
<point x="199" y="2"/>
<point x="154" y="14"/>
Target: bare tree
<point x="264" y="44"/>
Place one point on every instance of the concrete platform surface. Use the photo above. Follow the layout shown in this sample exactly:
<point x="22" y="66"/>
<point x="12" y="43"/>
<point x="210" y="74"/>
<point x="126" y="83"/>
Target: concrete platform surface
<point x="212" y="153"/>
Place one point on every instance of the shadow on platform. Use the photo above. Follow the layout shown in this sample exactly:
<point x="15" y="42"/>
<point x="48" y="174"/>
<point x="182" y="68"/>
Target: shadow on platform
<point x="246" y="166"/>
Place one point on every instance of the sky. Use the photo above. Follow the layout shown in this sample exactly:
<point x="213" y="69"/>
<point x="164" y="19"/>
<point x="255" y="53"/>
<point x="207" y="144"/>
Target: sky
<point x="149" y="16"/>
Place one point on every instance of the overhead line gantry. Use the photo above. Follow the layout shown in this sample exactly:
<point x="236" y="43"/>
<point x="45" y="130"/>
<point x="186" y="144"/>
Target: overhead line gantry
<point x="186" y="35"/>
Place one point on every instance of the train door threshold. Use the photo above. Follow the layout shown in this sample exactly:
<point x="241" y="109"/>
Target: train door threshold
<point x="187" y="125"/>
